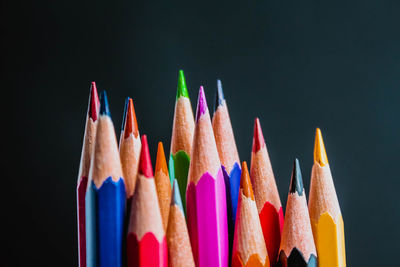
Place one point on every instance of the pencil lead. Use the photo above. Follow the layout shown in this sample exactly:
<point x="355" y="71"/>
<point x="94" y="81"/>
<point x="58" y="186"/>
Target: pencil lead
<point x="219" y="96"/>
<point x="145" y="167"/>
<point x="245" y="183"/>
<point x="93" y="110"/>
<point x="161" y="163"/>
<point x="104" y="108"/>
<point x="125" y="111"/>
<point x="258" y="137"/>
<point x="319" y="149"/>
<point x="130" y="120"/>
<point x="201" y="104"/>
<point x="296" y="183"/>
<point x="176" y="196"/>
<point x="182" y="89"/>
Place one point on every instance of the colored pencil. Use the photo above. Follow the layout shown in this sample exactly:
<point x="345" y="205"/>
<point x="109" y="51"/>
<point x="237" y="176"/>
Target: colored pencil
<point x="105" y="197"/>
<point x="228" y="155"/>
<point x="179" y="249"/>
<point x="325" y="215"/>
<point x="206" y="198"/>
<point x="248" y="246"/>
<point x="129" y="148"/>
<point x="86" y="157"/>
<point x="146" y="241"/>
<point x="266" y="194"/>
<point x="297" y="244"/>
<point x="163" y="185"/>
<point x="182" y="137"/>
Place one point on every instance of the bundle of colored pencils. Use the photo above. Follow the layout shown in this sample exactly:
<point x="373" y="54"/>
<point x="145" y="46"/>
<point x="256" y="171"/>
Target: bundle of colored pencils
<point x="204" y="207"/>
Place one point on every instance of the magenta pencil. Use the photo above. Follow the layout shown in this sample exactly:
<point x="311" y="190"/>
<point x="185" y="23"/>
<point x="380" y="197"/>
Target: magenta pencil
<point x="205" y="196"/>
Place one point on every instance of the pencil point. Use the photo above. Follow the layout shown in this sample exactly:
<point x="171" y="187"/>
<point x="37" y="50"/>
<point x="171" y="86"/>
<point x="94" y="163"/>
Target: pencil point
<point x="125" y="111"/>
<point x="130" y="120"/>
<point x="161" y="163"/>
<point x="319" y="149"/>
<point x="201" y="104"/>
<point x="258" y="137"/>
<point x="93" y="110"/>
<point x="104" y="108"/>
<point x="296" y="183"/>
<point x="176" y="197"/>
<point x="219" y="96"/>
<point x="182" y="89"/>
<point x="245" y="183"/>
<point x="145" y="167"/>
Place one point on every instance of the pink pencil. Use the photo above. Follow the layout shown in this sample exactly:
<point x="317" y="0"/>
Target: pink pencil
<point x="205" y="195"/>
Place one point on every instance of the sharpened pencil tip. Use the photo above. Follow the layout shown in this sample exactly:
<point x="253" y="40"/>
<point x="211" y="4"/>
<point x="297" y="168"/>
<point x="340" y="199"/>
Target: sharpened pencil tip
<point x="319" y="149"/>
<point x="245" y="183"/>
<point x="131" y="126"/>
<point x="182" y="89"/>
<point x="296" y="183"/>
<point x="125" y="111"/>
<point x="104" y="108"/>
<point x="145" y="167"/>
<point x="176" y="196"/>
<point x="161" y="162"/>
<point x="201" y="104"/>
<point x="219" y="96"/>
<point x="258" y="137"/>
<point x="94" y="102"/>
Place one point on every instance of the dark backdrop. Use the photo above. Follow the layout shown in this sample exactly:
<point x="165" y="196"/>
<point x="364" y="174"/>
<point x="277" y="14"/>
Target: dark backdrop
<point x="295" y="64"/>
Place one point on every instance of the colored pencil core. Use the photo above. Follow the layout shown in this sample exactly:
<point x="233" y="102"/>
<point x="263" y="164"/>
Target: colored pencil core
<point x="219" y="97"/>
<point x="182" y="89"/>
<point x="258" y="137"/>
<point x="104" y="108"/>
<point x="245" y="183"/>
<point x="145" y="167"/>
<point x="319" y="149"/>
<point x="296" y="184"/>
<point x="131" y="126"/>
<point x="94" y="102"/>
<point x="201" y="104"/>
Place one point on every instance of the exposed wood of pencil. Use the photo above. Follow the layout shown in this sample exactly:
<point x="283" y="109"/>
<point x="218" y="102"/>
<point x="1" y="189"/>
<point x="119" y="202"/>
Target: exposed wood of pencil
<point x="163" y="185"/>
<point x="106" y="161"/>
<point x="223" y="133"/>
<point x="183" y="126"/>
<point x="297" y="233"/>
<point x="204" y="151"/>
<point x="130" y="149"/>
<point x="248" y="244"/>
<point x="262" y="176"/>
<point x="179" y="248"/>
<point x="325" y="215"/>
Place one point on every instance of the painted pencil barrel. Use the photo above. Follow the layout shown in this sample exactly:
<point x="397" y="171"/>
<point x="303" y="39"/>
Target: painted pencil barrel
<point x="207" y="220"/>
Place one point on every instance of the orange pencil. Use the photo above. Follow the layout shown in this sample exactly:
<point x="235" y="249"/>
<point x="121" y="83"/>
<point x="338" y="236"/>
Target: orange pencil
<point x="248" y="246"/>
<point x="179" y="249"/>
<point x="297" y="245"/>
<point x="146" y="242"/>
<point x="325" y="215"/>
<point x="163" y="185"/>
<point x="129" y="148"/>
<point x="266" y="194"/>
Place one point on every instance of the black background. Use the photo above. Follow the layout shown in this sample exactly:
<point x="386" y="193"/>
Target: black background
<point x="295" y="64"/>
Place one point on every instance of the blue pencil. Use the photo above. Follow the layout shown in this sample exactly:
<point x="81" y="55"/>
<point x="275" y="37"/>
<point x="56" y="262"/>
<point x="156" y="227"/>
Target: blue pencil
<point x="105" y="198"/>
<point x="229" y="157"/>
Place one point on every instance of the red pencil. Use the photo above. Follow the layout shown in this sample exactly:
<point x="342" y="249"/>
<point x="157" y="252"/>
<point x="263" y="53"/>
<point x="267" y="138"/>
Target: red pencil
<point x="146" y="242"/>
<point x="86" y="156"/>
<point x="266" y="194"/>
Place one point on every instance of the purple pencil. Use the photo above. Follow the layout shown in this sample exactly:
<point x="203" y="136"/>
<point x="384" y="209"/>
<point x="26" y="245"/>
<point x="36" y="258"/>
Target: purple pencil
<point x="205" y="195"/>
